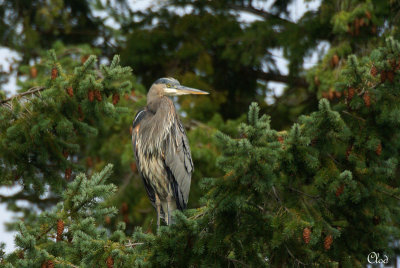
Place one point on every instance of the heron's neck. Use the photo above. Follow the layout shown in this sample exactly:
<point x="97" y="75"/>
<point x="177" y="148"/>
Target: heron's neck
<point x="158" y="125"/>
<point x="155" y="95"/>
<point x="160" y="103"/>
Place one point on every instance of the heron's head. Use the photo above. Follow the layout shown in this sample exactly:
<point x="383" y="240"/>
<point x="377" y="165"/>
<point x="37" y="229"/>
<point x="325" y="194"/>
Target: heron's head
<point x="171" y="87"/>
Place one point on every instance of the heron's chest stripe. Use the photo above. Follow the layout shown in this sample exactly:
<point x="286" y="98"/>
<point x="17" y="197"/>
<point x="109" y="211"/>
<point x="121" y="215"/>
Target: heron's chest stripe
<point x="152" y="167"/>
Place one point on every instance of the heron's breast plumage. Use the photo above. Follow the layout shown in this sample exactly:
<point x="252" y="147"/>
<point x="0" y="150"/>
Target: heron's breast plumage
<point x="150" y="140"/>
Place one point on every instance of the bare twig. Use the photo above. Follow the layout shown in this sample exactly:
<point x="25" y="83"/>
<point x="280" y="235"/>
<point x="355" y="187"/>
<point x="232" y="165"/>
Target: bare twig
<point x="303" y="193"/>
<point x="355" y="116"/>
<point x="389" y="194"/>
<point x="237" y="261"/>
<point x="279" y="200"/>
<point x="271" y="76"/>
<point x="32" y="90"/>
<point x="334" y="160"/>
<point x="292" y="255"/>
<point x="132" y="245"/>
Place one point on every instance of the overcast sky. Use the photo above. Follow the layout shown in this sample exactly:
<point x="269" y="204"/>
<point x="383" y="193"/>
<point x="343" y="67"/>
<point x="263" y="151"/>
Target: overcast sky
<point x="297" y="9"/>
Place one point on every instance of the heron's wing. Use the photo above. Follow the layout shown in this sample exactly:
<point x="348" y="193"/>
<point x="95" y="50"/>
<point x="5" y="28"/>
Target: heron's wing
<point x="178" y="162"/>
<point x="135" y="131"/>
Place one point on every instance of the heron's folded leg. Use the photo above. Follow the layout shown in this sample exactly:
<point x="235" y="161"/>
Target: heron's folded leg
<point x="158" y="207"/>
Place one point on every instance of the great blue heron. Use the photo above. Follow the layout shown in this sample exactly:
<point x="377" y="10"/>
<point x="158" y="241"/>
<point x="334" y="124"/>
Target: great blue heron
<point x="162" y="149"/>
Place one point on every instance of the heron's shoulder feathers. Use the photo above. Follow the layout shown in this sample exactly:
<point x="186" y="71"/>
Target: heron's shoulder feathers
<point x="139" y="116"/>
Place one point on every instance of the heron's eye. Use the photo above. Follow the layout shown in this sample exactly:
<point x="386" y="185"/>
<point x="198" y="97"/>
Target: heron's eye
<point x="168" y="85"/>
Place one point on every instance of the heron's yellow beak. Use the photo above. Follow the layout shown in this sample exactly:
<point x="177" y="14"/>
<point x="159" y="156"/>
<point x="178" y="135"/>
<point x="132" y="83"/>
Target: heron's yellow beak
<point x="182" y="90"/>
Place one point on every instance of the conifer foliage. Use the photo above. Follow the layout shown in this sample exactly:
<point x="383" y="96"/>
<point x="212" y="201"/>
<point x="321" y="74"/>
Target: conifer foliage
<point x="324" y="192"/>
<point x="45" y="128"/>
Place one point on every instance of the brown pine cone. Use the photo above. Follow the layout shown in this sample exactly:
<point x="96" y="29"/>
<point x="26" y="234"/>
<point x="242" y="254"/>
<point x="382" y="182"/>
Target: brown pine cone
<point x="374" y="71"/>
<point x="339" y="190"/>
<point x="335" y="60"/>
<point x="65" y="153"/>
<point x="349" y="29"/>
<point x="21" y="254"/>
<point x="60" y="229"/>
<point x="89" y="162"/>
<point x="91" y="95"/>
<point x="367" y="99"/>
<point x="68" y="172"/>
<point x="84" y="58"/>
<point x="281" y="139"/>
<point x="376" y="220"/>
<point x="70" y="91"/>
<point x="331" y="94"/>
<point x="306" y="235"/>
<point x="390" y="76"/>
<point x="314" y="142"/>
<point x="316" y="81"/>
<point x="133" y="167"/>
<point x="80" y="112"/>
<point x="33" y="72"/>
<point x="368" y="14"/>
<point x="54" y="73"/>
<point x="393" y="64"/>
<point x="115" y="98"/>
<point x="383" y="76"/>
<point x="356" y="27"/>
<point x="107" y="220"/>
<point x="98" y="96"/>
<point x="373" y="29"/>
<point x="362" y="22"/>
<point x="126" y="218"/>
<point x="378" y="150"/>
<point x="328" y="242"/>
<point x="348" y="151"/>
<point x="351" y="93"/>
<point x="124" y="208"/>
<point x="110" y="262"/>
<point x="50" y="264"/>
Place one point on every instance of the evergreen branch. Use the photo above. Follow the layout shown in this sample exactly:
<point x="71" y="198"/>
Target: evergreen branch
<point x="277" y="77"/>
<point x="30" y="198"/>
<point x="65" y="263"/>
<point x="84" y="202"/>
<point x="260" y="12"/>
<point x="32" y="90"/>
<point x="46" y="231"/>
<point x="58" y="261"/>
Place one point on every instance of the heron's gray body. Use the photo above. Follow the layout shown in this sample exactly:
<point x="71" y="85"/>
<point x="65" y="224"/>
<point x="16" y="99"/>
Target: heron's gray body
<point x="162" y="152"/>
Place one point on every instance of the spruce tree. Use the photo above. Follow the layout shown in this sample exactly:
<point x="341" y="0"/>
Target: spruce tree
<point x="324" y="192"/>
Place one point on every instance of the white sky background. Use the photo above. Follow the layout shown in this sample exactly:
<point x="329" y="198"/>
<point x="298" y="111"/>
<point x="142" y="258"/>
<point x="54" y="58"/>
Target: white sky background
<point x="297" y="9"/>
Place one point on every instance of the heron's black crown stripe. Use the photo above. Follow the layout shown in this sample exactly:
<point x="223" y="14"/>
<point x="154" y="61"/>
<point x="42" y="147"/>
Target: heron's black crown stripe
<point x="167" y="80"/>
